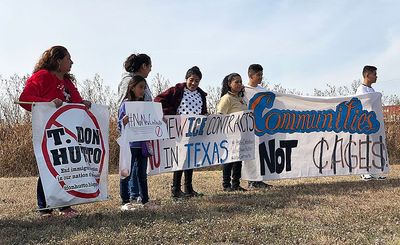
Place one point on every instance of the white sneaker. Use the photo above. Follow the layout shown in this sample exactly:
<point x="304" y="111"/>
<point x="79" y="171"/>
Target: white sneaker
<point x="366" y="177"/>
<point x="137" y="203"/>
<point x="135" y="206"/>
<point x="378" y="177"/>
<point x="126" y="207"/>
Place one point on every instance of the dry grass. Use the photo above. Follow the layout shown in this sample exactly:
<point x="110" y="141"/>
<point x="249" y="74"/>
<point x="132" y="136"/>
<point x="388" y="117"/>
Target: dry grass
<point x="17" y="158"/>
<point x="341" y="210"/>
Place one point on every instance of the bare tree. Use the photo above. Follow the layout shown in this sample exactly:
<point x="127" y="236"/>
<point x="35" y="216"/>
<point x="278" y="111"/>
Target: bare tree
<point x="213" y="97"/>
<point x="333" y="90"/>
<point x="280" y="89"/>
<point x="10" y="90"/>
<point x="95" y="91"/>
<point x="159" y="84"/>
<point x="354" y="85"/>
<point x="391" y="100"/>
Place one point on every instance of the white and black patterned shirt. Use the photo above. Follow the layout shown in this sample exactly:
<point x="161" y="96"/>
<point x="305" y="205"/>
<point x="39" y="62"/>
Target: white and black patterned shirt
<point x="191" y="103"/>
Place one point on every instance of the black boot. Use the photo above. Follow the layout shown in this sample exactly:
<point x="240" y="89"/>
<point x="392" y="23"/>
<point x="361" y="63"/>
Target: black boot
<point x="176" y="192"/>
<point x="189" y="192"/>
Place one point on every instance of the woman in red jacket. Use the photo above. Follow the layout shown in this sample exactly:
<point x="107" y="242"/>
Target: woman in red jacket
<point x="51" y="81"/>
<point x="185" y="98"/>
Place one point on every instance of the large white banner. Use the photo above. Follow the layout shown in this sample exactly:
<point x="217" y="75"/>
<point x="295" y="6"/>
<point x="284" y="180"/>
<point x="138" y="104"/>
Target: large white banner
<point x="202" y="141"/>
<point x="71" y="149"/>
<point x="314" y="136"/>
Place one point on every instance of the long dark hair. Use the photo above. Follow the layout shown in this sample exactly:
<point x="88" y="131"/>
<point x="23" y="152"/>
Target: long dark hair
<point x="49" y="60"/>
<point x="135" y="61"/>
<point x="225" y="83"/>
<point x="130" y="95"/>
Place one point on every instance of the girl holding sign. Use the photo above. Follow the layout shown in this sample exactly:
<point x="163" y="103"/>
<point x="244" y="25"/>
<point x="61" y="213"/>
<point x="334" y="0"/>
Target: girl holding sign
<point x="138" y="172"/>
<point x="185" y="98"/>
<point x="232" y="101"/>
<point x="51" y="82"/>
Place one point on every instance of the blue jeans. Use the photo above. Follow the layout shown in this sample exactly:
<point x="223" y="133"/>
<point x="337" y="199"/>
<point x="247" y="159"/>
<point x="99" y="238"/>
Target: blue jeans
<point x="136" y="182"/>
<point x="133" y="184"/>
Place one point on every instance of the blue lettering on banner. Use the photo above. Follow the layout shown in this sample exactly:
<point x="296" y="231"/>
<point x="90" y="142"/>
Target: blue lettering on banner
<point x="212" y="125"/>
<point x="196" y="126"/>
<point x="349" y="116"/>
<point x="201" y="153"/>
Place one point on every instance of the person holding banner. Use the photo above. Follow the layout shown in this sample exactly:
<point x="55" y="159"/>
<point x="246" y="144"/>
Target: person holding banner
<point x="370" y="77"/>
<point x="137" y="178"/>
<point x="255" y="73"/>
<point x="51" y="82"/>
<point x="189" y="99"/>
<point x="135" y="64"/>
<point x="232" y="101"/>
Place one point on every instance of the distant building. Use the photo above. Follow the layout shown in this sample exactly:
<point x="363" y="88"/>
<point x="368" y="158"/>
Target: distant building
<point x="391" y="113"/>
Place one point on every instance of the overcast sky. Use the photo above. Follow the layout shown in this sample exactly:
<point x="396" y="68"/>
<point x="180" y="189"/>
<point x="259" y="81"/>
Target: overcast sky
<point x="301" y="44"/>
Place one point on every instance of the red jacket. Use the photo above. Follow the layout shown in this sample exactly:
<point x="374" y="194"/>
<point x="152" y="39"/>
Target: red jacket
<point x="44" y="86"/>
<point x="171" y="98"/>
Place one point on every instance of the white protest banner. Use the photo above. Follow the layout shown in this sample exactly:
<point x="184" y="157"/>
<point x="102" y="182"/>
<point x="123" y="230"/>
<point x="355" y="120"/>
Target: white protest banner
<point x="315" y="136"/>
<point x="201" y="141"/>
<point x="71" y="149"/>
<point x="145" y="121"/>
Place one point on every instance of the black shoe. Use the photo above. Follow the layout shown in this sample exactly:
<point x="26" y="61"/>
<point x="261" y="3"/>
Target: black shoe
<point x="258" y="185"/>
<point x="194" y="193"/>
<point x="238" y="188"/>
<point x="189" y="192"/>
<point x="177" y="193"/>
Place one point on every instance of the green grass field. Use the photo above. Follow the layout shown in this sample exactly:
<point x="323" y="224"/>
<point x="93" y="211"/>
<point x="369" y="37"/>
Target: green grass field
<point x="340" y="210"/>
